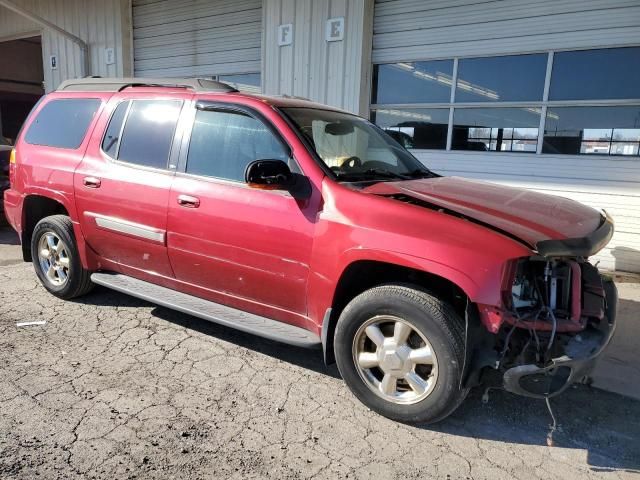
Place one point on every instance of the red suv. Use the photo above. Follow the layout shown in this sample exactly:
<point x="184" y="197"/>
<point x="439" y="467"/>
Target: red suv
<point x="313" y="227"/>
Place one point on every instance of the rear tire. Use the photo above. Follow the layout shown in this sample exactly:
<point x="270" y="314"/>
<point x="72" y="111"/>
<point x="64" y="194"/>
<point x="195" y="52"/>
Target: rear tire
<point x="55" y="257"/>
<point x="401" y="352"/>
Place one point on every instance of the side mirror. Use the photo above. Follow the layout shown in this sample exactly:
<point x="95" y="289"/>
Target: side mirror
<point x="269" y="174"/>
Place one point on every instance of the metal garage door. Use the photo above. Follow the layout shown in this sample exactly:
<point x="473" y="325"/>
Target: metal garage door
<point x="196" y="37"/>
<point x="452" y="31"/>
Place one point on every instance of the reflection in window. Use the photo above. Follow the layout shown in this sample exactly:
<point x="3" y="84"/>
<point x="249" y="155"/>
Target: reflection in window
<point x="496" y="129"/>
<point x="506" y="79"/>
<point x="224" y="143"/>
<point x="148" y="132"/>
<point x="417" y="82"/>
<point x="592" y="130"/>
<point x="609" y="73"/>
<point x="415" y="127"/>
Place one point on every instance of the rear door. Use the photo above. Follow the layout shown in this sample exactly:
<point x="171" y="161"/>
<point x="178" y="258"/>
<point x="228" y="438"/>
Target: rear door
<point x="122" y="186"/>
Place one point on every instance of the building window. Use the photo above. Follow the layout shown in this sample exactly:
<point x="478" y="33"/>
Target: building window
<point x="417" y="82"/>
<point x="588" y="102"/>
<point x="515" y="78"/>
<point x="605" y="74"/>
<point x="415" y="127"/>
<point x="496" y="129"/>
<point x="592" y="130"/>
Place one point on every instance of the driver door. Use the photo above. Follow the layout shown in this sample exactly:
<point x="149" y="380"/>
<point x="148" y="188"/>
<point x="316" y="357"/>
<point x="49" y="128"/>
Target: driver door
<point x="243" y="247"/>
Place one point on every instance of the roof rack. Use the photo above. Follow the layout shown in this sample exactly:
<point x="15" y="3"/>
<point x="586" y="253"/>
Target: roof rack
<point x="98" y="84"/>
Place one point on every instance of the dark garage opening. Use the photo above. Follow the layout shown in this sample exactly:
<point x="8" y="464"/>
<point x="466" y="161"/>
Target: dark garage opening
<point x="20" y="82"/>
<point x="21" y="86"/>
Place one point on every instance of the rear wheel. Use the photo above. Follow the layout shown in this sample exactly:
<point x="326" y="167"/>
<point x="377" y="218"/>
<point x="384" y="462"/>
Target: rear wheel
<point x="56" y="260"/>
<point x="400" y="351"/>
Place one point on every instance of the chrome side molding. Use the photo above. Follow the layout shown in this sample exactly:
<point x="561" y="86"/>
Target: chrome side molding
<point x="128" y="228"/>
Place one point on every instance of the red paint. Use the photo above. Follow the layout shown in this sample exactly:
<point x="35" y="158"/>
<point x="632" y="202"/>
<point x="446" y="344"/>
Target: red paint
<point x="266" y="252"/>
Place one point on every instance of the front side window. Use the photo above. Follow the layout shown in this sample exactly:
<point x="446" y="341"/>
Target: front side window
<point x="354" y="149"/>
<point x="148" y="132"/>
<point x="62" y="123"/>
<point x="223" y="143"/>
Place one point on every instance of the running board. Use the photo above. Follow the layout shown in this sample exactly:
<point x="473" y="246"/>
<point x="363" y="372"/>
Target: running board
<point x="214" y="312"/>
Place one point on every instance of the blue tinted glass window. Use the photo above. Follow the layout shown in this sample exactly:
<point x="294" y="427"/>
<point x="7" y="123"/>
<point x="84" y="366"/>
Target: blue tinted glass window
<point x="611" y="73"/>
<point x="496" y="129"/>
<point x="112" y="135"/>
<point x="62" y="123"/>
<point x="414" y="127"/>
<point x="417" y="82"/>
<point x="223" y="144"/>
<point x="592" y="130"/>
<point x="516" y="78"/>
<point x="148" y="132"/>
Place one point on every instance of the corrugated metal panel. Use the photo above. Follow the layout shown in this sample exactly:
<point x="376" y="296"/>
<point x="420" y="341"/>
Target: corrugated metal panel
<point x="411" y="30"/>
<point x="611" y="184"/>
<point x="406" y="30"/>
<point x="101" y="24"/>
<point x="196" y="37"/>
<point x="335" y="73"/>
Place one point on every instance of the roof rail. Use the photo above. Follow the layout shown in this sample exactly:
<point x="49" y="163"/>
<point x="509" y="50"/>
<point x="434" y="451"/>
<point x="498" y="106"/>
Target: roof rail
<point x="98" y="84"/>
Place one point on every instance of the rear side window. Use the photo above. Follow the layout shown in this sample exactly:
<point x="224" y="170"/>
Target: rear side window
<point x="62" y="123"/>
<point x="149" y="127"/>
<point x="112" y="136"/>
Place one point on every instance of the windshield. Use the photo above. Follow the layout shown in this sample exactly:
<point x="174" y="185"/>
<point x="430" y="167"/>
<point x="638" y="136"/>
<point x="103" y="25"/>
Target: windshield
<point x="354" y="149"/>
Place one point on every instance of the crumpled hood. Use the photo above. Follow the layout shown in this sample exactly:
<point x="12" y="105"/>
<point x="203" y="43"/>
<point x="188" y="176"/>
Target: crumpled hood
<point x="525" y="214"/>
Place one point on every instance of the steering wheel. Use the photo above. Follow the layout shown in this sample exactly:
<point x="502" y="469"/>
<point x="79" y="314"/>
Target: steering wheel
<point x="351" y="163"/>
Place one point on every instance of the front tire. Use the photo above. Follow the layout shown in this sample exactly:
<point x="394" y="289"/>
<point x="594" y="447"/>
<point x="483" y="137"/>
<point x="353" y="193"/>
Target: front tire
<point x="56" y="260"/>
<point x="401" y="351"/>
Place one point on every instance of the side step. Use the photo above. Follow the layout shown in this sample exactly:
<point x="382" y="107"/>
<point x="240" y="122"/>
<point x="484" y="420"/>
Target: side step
<point x="214" y="312"/>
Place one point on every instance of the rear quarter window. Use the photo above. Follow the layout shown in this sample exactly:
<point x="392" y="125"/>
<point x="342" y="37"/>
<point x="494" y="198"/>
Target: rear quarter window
<point x="62" y="123"/>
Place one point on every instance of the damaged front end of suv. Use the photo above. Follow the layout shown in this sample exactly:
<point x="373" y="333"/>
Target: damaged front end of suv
<point x="558" y="316"/>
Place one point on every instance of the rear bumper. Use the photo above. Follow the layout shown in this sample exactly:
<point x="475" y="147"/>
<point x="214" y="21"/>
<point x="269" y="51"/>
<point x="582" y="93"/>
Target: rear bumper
<point x="581" y="354"/>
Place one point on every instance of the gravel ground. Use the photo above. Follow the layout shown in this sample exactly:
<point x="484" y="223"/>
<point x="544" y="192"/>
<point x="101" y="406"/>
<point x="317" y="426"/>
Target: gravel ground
<point x="112" y="387"/>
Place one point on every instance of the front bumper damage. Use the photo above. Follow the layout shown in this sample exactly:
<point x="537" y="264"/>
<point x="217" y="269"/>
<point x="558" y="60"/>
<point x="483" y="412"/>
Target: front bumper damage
<point x="579" y="358"/>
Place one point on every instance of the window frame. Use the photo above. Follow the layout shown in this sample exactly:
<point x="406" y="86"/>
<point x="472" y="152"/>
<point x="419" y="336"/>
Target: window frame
<point x="543" y="104"/>
<point x="218" y="106"/>
<point x="171" y="165"/>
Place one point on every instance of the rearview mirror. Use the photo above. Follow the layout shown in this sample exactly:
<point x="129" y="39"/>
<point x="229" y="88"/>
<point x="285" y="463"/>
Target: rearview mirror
<point x="338" y="129"/>
<point x="269" y="174"/>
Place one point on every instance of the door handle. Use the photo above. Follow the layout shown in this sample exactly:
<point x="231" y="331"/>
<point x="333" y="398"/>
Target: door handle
<point x="91" y="182"/>
<point x="188" y="201"/>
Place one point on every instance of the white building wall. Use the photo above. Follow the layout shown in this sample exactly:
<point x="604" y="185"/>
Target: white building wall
<point x="101" y="23"/>
<point x="336" y="73"/>
<point x="406" y="30"/>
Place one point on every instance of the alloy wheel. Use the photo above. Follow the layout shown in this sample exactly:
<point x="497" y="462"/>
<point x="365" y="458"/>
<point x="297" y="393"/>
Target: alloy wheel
<point x="395" y="360"/>
<point x="53" y="257"/>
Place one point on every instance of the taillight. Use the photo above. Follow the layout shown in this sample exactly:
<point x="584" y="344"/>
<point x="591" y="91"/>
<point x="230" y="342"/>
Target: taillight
<point x="12" y="167"/>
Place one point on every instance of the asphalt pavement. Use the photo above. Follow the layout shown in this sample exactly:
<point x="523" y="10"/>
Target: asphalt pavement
<point x="110" y="387"/>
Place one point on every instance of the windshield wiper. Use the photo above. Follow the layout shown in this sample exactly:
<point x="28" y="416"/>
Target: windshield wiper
<point x="421" y="173"/>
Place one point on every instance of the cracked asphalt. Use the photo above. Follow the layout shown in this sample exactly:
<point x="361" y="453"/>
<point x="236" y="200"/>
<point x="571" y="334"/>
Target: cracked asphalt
<point x="113" y="387"/>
